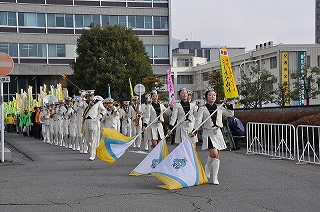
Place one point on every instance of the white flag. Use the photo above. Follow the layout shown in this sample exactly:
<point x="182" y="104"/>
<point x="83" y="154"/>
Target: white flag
<point x="182" y="168"/>
<point x="158" y="154"/>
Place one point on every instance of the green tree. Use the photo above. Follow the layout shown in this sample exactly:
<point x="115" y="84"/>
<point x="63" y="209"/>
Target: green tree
<point x="282" y="94"/>
<point x="215" y="82"/>
<point x="110" y="56"/>
<point x="306" y="84"/>
<point x="256" y="88"/>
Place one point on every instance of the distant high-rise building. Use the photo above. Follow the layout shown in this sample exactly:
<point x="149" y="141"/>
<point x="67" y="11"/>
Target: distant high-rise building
<point x="41" y="35"/>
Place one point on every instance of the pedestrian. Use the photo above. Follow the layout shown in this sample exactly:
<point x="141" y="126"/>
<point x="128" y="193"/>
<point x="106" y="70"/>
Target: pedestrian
<point x="212" y="136"/>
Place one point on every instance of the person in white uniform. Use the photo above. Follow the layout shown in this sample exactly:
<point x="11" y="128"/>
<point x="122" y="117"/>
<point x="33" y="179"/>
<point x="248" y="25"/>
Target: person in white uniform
<point x="182" y="114"/>
<point x="125" y="117"/>
<point x="110" y="119"/>
<point x="136" y="124"/>
<point x="154" y="119"/>
<point x="45" y="116"/>
<point x="212" y="136"/>
<point x="79" y="105"/>
<point x="91" y="120"/>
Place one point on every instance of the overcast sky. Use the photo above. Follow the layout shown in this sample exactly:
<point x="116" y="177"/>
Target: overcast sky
<point x="244" y="23"/>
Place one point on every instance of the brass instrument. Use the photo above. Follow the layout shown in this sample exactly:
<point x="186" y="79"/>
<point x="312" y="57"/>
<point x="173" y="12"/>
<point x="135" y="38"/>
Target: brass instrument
<point x="138" y="115"/>
<point x="116" y="105"/>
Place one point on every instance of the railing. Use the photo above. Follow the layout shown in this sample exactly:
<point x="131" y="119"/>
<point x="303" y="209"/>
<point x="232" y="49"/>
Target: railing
<point x="277" y="140"/>
<point x="308" y="140"/>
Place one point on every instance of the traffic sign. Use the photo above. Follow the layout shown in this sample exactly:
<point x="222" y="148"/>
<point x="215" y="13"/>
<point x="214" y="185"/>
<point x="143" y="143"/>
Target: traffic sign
<point x="6" y="64"/>
<point x="4" y="79"/>
<point x="139" y="89"/>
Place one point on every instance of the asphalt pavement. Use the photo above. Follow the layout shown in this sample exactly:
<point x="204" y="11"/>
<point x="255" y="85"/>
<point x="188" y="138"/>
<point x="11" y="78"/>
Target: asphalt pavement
<point x="45" y="177"/>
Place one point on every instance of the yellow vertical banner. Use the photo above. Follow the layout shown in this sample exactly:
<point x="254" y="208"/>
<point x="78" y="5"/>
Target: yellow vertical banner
<point x="229" y="84"/>
<point x="285" y="73"/>
<point x="131" y="90"/>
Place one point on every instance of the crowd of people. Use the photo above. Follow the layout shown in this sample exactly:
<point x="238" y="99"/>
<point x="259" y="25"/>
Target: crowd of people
<point x="76" y="123"/>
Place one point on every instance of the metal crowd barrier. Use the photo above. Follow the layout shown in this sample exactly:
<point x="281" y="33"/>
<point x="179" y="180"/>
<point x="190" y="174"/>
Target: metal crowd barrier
<point x="308" y="144"/>
<point x="277" y="140"/>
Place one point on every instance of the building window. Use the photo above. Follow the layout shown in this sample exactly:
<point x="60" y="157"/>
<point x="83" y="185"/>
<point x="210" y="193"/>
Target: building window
<point x="161" y="51"/>
<point x="9" y="48"/>
<point x="32" y="50"/>
<point x="273" y="62"/>
<point x="185" y="79"/>
<point x="57" y="50"/>
<point x="32" y="19"/>
<point x="184" y="62"/>
<point x="164" y="79"/>
<point x="149" y="50"/>
<point x="140" y="22"/>
<point x="205" y="76"/>
<point x="114" y="19"/>
<point x="160" y="22"/>
<point x="60" y="20"/>
<point x="84" y="21"/>
<point x="8" y="19"/>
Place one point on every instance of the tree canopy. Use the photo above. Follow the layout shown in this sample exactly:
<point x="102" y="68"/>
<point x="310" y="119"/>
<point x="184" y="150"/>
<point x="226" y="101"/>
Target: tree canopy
<point x="110" y="56"/>
<point x="256" y="87"/>
<point x="306" y="84"/>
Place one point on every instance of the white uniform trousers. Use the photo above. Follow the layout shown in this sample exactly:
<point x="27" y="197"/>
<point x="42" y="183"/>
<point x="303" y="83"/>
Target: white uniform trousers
<point x="92" y="135"/>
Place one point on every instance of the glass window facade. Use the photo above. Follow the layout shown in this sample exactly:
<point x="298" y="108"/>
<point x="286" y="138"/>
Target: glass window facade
<point x="273" y="62"/>
<point x="60" y="20"/>
<point x="32" y="50"/>
<point x="8" y="19"/>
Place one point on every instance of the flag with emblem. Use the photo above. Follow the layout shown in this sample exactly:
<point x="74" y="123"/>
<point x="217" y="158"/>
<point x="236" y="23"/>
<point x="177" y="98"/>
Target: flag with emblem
<point x="182" y="168"/>
<point x="113" y="145"/>
<point x="158" y="154"/>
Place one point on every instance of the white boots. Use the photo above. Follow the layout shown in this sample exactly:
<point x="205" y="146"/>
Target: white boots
<point x="207" y="167"/>
<point x="213" y="163"/>
<point x="215" y="168"/>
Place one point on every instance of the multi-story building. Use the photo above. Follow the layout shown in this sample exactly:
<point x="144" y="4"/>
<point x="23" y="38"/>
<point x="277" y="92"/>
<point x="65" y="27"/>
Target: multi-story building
<point x="281" y="60"/>
<point x="211" y="53"/>
<point x="41" y="35"/>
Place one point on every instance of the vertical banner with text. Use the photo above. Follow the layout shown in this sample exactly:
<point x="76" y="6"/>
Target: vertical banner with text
<point x="170" y="88"/>
<point x="301" y="63"/>
<point x="285" y="74"/>
<point x="229" y="84"/>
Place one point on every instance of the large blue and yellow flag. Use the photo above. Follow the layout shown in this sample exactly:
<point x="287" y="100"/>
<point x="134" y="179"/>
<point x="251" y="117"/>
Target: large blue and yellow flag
<point x="112" y="145"/>
<point x="182" y="168"/>
<point x="158" y="154"/>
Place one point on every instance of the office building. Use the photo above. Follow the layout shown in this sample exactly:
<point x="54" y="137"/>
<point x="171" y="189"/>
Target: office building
<point x="41" y="35"/>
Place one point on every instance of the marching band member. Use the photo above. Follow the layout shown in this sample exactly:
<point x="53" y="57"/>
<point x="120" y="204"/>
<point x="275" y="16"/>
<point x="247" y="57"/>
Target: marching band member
<point x="125" y="117"/>
<point x="136" y="123"/>
<point x="144" y="108"/>
<point x="52" y="122"/>
<point x="212" y="136"/>
<point x="66" y="112"/>
<point x="91" y="120"/>
<point x="57" y="128"/>
<point x="71" y="113"/>
<point x="185" y="122"/>
<point x="79" y="106"/>
<point x="45" y="117"/>
<point x="154" y="110"/>
<point x="64" y="105"/>
<point x="110" y="119"/>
